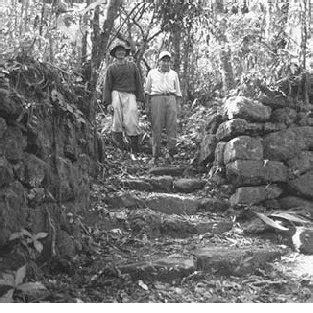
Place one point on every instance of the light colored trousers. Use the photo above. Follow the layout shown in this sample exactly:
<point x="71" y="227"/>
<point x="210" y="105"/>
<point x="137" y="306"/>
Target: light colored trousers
<point x="125" y="113"/>
<point x="163" y="114"/>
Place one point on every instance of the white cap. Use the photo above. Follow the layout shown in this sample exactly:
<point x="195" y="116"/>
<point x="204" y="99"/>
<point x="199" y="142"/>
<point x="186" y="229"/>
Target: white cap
<point x="164" y="54"/>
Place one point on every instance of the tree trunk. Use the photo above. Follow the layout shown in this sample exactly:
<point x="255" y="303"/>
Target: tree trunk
<point x="99" y="47"/>
<point x="176" y="35"/>
<point x="227" y="68"/>
<point x="100" y="40"/>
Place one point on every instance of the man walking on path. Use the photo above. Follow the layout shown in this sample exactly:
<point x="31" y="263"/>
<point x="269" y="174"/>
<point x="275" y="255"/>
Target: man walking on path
<point x="163" y="100"/>
<point x="122" y="89"/>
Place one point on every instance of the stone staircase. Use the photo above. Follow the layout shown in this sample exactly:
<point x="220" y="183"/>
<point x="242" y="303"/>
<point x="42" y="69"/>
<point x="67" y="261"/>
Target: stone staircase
<point x="193" y="231"/>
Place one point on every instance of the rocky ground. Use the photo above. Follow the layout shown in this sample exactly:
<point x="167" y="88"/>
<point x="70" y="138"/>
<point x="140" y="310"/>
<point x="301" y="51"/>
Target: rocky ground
<point x="169" y="234"/>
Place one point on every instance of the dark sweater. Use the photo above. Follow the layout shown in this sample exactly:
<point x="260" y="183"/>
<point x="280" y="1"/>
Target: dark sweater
<point x="125" y="78"/>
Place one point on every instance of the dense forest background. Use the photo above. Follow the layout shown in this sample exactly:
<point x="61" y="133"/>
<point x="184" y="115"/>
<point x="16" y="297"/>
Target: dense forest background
<point x="218" y="46"/>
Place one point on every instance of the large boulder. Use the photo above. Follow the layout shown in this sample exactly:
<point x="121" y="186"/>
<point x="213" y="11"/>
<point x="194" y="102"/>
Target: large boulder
<point x="253" y="173"/>
<point x="243" y="148"/>
<point x="255" y="195"/>
<point x="251" y="110"/>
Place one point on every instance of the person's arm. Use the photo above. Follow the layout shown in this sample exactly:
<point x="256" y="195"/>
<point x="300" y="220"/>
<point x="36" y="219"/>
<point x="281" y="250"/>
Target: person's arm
<point x="139" y="86"/>
<point x="178" y="93"/>
<point x="148" y="93"/>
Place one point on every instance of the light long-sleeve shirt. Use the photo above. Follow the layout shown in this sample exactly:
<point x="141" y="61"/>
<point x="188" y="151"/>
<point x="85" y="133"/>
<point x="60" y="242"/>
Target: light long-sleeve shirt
<point x="158" y="83"/>
<point x="124" y="78"/>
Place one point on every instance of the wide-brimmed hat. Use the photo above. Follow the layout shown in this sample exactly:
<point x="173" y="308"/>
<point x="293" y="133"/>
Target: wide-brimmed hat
<point x="118" y="46"/>
<point x="164" y="54"/>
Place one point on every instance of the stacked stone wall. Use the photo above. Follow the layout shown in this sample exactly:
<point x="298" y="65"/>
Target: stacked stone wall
<point x="46" y="165"/>
<point x="264" y="149"/>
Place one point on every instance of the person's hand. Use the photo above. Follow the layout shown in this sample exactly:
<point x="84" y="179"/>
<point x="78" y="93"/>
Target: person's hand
<point x="110" y="109"/>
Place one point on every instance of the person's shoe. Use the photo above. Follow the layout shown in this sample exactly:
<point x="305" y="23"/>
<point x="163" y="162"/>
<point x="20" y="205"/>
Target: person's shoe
<point x="117" y="139"/>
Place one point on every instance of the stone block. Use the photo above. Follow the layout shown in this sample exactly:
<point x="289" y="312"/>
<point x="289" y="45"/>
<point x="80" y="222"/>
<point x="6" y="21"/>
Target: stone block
<point x="136" y="184"/>
<point x="255" y="195"/>
<point x="237" y="127"/>
<point x="161" y="183"/>
<point x="219" y="153"/>
<point x="285" y="116"/>
<point x="303" y="185"/>
<point x="214" y="205"/>
<point x="248" y="109"/>
<point x="207" y="149"/>
<point x="253" y="173"/>
<point x="300" y="164"/>
<point x="124" y="200"/>
<point x="217" y="227"/>
<point x="172" y="204"/>
<point x="286" y="144"/>
<point x="167" y="171"/>
<point x="162" y="269"/>
<point x="292" y="202"/>
<point x="275" y="101"/>
<point x="14" y="144"/>
<point x="243" y="148"/>
<point x="270" y="127"/>
<point x="234" y="261"/>
<point x="188" y="185"/>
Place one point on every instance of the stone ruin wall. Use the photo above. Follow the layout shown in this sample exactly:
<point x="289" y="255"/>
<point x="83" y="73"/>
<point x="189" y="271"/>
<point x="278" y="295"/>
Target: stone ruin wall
<point x="46" y="166"/>
<point x="264" y="149"/>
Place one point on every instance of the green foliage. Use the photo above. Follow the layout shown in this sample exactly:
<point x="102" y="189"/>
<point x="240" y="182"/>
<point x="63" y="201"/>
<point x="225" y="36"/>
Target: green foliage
<point x="15" y="282"/>
<point x="30" y="242"/>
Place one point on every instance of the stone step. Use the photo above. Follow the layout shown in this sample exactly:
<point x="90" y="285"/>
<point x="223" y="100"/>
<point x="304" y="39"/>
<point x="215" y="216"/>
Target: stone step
<point x="155" y="224"/>
<point x="164" y="184"/>
<point x="221" y="261"/>
<point x="162" y="269"/>
<point x="167" y="170"/>
<point x="234" y="261"/>
<point x="165" y="202"/>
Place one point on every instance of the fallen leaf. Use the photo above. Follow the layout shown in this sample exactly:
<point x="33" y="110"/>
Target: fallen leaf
<point x="143" y="285"/>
